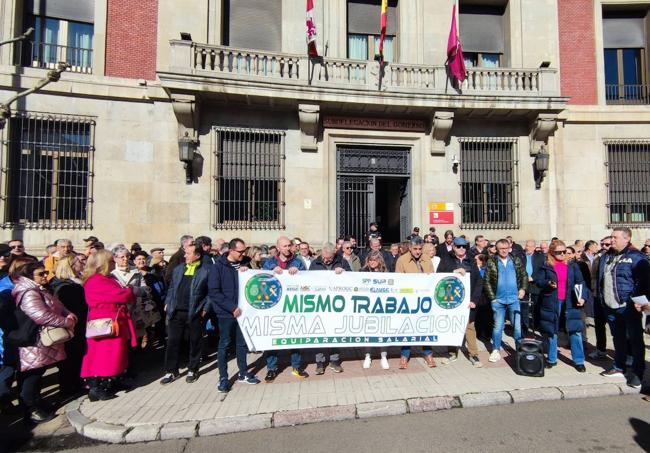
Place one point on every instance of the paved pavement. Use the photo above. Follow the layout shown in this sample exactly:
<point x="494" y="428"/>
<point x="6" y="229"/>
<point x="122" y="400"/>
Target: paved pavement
<point x="182" y="410"/>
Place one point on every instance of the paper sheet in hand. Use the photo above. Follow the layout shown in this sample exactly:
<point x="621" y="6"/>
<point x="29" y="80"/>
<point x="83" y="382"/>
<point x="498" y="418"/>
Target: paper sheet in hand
<point x="640" y="300"/>
<point x="578" y="290"/>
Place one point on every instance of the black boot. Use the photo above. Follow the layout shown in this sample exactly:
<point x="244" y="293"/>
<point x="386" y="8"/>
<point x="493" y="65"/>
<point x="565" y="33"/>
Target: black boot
<point x="99" y="390"/>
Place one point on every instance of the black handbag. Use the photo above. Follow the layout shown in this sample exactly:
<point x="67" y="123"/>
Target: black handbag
<point x="26" y="333"/>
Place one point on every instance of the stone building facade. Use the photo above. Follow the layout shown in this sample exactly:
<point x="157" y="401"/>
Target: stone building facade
<point x="277" y="143"/>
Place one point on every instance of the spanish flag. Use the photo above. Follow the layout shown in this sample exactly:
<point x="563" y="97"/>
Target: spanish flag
<point x="382" y="34"/>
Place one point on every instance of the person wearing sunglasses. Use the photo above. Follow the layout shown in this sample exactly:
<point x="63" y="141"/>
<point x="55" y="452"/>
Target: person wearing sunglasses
<point x="461" y="263"/>
<point x="600" y="321"/>
<point x="5" y="260"/>
<point x="562" y="291"/>
<point x="505" y="284"/>
<point x="624" y="272"/>
<point x="44" y="310"/>
<point x="17" y="247"/>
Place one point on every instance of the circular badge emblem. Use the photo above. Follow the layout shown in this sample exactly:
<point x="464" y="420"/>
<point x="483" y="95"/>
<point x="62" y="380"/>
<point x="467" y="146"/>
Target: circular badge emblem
<point x="263" y="291"/>
<point x="450" y="293"/>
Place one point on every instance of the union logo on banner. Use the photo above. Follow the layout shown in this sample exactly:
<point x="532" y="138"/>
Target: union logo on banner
<point x="263" y="291"/>
<point x="450" y="293"/>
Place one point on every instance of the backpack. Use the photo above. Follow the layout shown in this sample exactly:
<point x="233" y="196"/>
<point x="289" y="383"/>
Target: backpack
<point x="26" y="333"/>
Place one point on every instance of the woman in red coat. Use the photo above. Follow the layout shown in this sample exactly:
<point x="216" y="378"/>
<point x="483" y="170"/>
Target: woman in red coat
<point x="106" y="358"/>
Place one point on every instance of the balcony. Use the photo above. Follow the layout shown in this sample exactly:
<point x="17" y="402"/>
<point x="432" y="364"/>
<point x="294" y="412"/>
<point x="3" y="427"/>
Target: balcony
<point x="46" y="56"/>
<point x="226" y="71"/>
<point x="627" y="94"/>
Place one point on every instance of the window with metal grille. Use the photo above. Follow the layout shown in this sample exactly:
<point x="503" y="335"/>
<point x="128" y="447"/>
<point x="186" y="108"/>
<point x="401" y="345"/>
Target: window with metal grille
<point x="628" y="181"/>
<point x="47" y="163"/>
<point x="249" y="176"/>
<point x="489" y="183"/>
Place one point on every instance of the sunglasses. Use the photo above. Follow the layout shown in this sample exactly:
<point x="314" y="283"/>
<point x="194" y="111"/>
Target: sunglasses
<point x="460" y="246"/>
<point x="605" y="244"/>
<point x="16" y="247"/>
<point x="42" y="274"/>
<point x="560" y="252"/>
<point x="347" y="248"/>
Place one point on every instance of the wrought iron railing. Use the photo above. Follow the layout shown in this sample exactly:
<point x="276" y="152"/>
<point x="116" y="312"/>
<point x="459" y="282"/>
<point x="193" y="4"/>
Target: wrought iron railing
<point x="628" y="182"/>
<point x="627" y="94"/>
<point x="46" y="56"/>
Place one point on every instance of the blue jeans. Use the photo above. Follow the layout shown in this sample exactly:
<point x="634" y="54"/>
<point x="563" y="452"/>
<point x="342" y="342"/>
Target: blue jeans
<point x="626" y="324"/>
<point x="406" y="351"/>
<point x="575" y="340"/>
<point x="228" y="327"/>
<point x="500" y="306"/>
<point x="272" y="360"/>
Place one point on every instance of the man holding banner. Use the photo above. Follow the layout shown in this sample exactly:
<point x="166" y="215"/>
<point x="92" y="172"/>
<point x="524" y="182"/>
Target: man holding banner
<point x="413" y="263"/>
<point x="461" y="263"/>
<point x="329" y="261"/>
<point x="223" y="291"/>
<point x="284" y="261"/>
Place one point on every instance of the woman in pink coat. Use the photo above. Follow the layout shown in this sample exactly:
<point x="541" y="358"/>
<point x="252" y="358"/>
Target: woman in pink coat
<point x="106" y="358"/>
<point x="45" y="310"/>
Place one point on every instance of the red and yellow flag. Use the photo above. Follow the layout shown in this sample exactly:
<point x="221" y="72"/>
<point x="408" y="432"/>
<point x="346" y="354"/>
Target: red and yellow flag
<point x="382" y="34"/>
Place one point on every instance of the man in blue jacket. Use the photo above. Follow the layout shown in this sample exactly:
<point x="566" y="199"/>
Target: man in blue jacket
<point x="223" y="287"/>
<point x="624" y="272"/>
<point x="285" y="261"/>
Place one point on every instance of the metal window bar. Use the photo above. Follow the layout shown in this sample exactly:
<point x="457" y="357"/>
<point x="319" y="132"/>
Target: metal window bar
<point x="46" y="56"/>
<point x="249" y="178"/>
<point x="628" y="182"/>
<point x="489" y="183"/>
<point x="47" y="162"/>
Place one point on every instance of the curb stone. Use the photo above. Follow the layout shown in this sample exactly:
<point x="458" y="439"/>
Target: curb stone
<point x="538" y="394"/>
<point x="178" y="430"/>
<point x="485" y="399"/>
<point x="381" y="409"/>
<point x="418" y="405"/>
<point x="315" y="415"/>
<point x="143" y="433"/>
<point x="235" y="424"/>
<point x="106" y="432"/>
<point x="77" y="420"/>
<point x="181" y="430"/>
<point x="589" y="391"/>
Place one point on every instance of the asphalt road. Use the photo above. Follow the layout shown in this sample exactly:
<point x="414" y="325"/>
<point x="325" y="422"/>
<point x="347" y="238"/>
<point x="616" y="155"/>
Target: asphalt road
<point x="602" y="424"/>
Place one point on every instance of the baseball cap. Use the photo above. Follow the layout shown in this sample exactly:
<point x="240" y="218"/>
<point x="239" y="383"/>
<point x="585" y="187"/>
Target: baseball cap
<point x="460" y="241"/>
<point x="91" y="238"/>
<point x="157" y="249"/>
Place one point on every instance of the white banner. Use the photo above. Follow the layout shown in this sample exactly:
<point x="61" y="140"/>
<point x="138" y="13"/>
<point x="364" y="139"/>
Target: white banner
<point x="321" y="309"/>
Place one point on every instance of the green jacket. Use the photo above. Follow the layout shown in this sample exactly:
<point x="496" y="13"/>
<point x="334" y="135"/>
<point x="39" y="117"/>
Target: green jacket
<point x="492" y="276"/>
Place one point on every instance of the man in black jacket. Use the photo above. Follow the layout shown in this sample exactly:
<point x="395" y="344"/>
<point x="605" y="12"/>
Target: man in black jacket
<point x="178" y="257"/>
<point x="185" y="306"/>
<point x="533" y="261"/>
<point x="224" y="297"/>
<point x="329" y="261"/>
<point x="460" y="263"/>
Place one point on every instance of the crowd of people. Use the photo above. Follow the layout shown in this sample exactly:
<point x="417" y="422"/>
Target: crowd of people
<point x="82" y="311"/>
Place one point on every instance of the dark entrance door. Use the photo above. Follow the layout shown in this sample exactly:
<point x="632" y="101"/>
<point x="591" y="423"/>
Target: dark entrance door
<point x="373" y="185"/>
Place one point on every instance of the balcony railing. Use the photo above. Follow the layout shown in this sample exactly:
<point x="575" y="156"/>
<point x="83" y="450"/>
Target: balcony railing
<point x="627" y="94"/>
<point x="257" y="65"/>
<point x="46" y="56"/>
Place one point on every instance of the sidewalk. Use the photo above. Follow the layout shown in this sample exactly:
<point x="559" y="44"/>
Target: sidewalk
<point x="181" y="410"/>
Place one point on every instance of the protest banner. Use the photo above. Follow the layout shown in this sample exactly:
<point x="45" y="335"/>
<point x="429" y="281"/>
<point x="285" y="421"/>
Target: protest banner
<point x="323" y="309"/>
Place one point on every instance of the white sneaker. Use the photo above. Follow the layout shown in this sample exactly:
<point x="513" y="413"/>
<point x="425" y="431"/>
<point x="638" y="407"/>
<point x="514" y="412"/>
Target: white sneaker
<point x="451" y="358"/>
<point x="494" y="356"/>
<point x="384" y="363"/>
<point x="595" y="355"/>
<point x="367" y="361"/>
